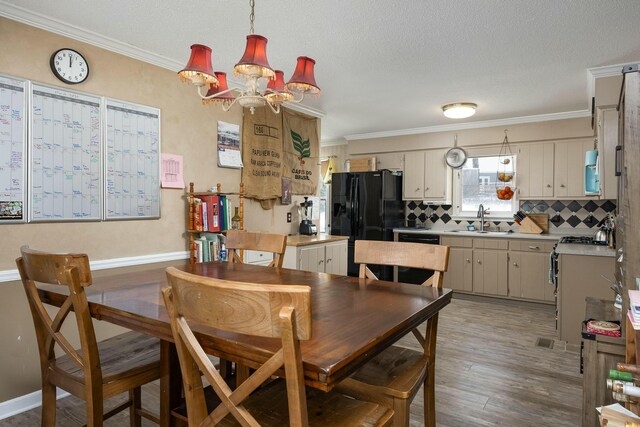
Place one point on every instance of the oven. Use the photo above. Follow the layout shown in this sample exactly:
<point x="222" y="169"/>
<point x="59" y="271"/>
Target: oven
<point x="416" y="275"/>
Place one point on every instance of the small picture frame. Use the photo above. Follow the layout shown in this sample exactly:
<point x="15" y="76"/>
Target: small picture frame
<point x="286" y="191"/>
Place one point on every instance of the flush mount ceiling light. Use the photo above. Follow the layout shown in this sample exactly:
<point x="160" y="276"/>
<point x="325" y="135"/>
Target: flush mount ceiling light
<point x="254" y="67"/>
<point x="459" y="110"/>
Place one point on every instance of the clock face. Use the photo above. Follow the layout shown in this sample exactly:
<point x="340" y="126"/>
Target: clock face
<point x="69" y="66"/>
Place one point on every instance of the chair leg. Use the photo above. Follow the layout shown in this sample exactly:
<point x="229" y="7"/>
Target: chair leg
<point x="135" y="396"/>
<point x="48" y="405"/>
<point x="430" y="397"/>
<point x="401" y="412"/>
<point x="95" y="407"/>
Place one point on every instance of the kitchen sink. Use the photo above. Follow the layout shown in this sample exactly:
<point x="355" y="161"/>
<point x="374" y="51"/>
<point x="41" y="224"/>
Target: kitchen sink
<point x="479" y="232"/>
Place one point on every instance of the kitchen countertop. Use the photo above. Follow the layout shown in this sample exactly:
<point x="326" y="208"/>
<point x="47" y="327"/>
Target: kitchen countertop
<point x="465" y="233"/>
<point x="300" y="240"/>
<point x="588" y="250"/>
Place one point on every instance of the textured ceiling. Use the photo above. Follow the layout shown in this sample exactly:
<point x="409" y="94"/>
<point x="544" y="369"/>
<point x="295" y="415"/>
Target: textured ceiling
<point x="390" y="65"/>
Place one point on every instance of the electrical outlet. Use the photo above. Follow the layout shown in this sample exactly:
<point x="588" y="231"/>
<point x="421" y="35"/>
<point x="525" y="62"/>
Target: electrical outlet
<point x="288" y="216"/>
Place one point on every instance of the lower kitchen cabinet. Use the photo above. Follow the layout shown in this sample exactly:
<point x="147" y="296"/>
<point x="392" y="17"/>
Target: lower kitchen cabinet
<point x="490" y="272"/>
<point x="529" y="276"/>
<point x="320" y="257"/>
<point x="459" y="276"/>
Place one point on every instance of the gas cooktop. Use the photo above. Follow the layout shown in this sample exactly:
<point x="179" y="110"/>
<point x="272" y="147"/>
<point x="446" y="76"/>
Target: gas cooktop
<point x="581" y="240"/>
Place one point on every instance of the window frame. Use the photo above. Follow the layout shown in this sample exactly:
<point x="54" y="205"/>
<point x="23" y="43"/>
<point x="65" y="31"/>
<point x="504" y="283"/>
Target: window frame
<point x="458" y="213"/>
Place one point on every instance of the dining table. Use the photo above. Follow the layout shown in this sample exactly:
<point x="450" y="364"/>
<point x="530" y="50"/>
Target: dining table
<point x="353" y="319"/>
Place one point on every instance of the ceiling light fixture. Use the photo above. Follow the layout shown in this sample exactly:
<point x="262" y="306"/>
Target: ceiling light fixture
<point x="459" y="110"/>
<point x="253" y="66"/>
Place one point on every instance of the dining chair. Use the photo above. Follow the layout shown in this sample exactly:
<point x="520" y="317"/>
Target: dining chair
<point x="98" y="370"/>
<point x="273" y="311"/>
<point x="395" y="375"/>
<point x="238" y="240"/>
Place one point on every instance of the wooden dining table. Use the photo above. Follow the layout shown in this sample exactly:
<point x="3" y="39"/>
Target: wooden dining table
<point x="353" y="319"/>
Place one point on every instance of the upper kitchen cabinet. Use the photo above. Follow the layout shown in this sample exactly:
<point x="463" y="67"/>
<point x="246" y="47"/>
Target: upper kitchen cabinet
<point x="535" y="164"/>
<point x="427" y="176"/>
<point x="607" y="142"/>
<point x="391" y="161"/>
<point x="569" y="169"/>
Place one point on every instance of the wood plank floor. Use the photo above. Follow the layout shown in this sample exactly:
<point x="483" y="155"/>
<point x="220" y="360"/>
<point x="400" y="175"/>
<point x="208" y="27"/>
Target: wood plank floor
<point x="489" y="372"/>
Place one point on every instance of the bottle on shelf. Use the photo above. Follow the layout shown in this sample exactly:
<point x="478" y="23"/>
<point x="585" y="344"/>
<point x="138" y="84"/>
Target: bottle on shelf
<point x="235" y="220"/>
<point x="624" y="376"/>
<point x="626" y="367"/>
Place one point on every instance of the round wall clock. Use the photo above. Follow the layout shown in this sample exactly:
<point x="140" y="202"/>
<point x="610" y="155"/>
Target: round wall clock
<point x="69" y="66"/>
<point x="456" y="157"/>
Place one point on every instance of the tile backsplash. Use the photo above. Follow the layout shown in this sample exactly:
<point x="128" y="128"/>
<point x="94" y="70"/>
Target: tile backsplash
<point x="563" y="214"/>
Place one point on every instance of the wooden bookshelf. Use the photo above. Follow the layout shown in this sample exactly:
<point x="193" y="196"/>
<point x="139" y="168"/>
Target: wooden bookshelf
<point x="192" y="195"/>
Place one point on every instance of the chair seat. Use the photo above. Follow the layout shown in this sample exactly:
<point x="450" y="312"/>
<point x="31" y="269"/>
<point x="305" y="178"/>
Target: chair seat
<point x="269" y="406"/>
<point x="398" y="371"/>
<point x="124" y="356"/>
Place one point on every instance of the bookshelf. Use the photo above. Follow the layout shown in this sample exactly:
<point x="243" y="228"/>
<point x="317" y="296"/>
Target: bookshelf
<point x="192" y="230"/>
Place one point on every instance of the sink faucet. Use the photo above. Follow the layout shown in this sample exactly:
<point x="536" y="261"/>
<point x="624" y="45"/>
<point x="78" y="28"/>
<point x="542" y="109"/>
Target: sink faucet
<point x="481" y="213"/>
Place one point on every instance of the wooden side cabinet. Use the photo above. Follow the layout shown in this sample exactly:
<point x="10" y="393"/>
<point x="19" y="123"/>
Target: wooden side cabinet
<point x="329" y="257"/>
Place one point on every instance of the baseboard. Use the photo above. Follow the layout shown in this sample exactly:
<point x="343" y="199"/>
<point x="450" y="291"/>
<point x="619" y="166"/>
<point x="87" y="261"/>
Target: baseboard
<point x="103" y="264"/>
<point x="24" y="403"/>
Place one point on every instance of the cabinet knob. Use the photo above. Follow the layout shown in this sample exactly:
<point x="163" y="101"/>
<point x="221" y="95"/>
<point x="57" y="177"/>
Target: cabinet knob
<point x="328" y="260"/>
<point x="479" y="262"/>
<point x="515" y="264"/>
<point x="320" y="262"/>
<point x="468" y="260"/>
<point x="417" y="189"/>
<point x="427" y="189"/>
<point x="562" y="185"/>
<point x="534" y="247"/>
<point x="548" y="185"/>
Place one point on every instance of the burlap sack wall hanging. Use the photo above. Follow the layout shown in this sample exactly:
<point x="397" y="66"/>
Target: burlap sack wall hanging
<point x="301" y="152"/>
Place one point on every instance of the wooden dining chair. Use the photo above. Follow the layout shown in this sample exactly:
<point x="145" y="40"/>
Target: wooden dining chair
<point x="273" y="311"/>
<point x="394" y="376"/>
<point x="98" y="370"/>
<point x="238" y="240"/>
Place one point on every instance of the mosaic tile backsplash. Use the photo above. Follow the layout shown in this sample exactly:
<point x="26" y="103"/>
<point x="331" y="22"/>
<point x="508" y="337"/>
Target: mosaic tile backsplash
<point x="563" y="214"/>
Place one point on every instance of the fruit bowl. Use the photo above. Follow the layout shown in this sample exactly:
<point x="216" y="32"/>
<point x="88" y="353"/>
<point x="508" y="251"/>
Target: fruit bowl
<point x="505" y="176"/>
<point x="505" y="193"/>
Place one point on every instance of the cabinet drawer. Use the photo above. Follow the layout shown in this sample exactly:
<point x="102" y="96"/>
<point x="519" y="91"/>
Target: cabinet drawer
<point x="257" y="257"/>
<point x="491" y="244"/>
<point x="542" y="246"/>
<point x="458" y="242"/>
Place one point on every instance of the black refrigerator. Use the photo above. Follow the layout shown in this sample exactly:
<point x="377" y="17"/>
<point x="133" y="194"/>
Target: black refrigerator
<point x="366" y="206"/>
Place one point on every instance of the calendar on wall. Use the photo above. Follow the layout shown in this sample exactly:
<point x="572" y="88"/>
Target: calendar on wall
<point x="65" y="174"/>
<point x="13" y="149"/>
<point x="132" y="161"/>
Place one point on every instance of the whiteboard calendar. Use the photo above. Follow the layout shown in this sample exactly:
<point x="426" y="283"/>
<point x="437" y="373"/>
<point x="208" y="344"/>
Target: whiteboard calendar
<point x="132" y="161"/>
<point x="65" y="155"/>
<point x="13" y="144"/>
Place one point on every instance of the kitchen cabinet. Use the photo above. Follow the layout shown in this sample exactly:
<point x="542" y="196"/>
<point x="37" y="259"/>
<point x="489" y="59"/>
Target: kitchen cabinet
<point x="535" y="167"/>
<point x="258" y="258"/>
<point x="529" y="270"/>
<point x="391" y="161"/>
<point x="569" y="169"/>
<point x="317" y="256"/>
<point x="490" y="272"/>
<point x="459" y="275"/>
<point x="607" y="142"/>
<point x="427" y="176"/>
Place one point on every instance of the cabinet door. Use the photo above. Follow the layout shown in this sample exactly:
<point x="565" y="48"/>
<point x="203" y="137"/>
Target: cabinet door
<point x="413" y="179"/>
<point x="529" y="276"/>
<point x="336" y="258"/>
<point x="460" y="272"/>
<point x="490" y="272"/>
<point x="392" y="161"/>
<point x="311" y="258"/>
<point x="436" y="176"/>
<point x="534" y="174"/>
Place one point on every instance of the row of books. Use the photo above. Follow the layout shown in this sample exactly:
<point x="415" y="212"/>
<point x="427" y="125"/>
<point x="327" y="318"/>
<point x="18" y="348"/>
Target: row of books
<point x="211" y="213"/>
<point x="209" y="247"/>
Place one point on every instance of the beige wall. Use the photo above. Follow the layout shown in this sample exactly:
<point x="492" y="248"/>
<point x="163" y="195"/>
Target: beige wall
<point x="187" y="128"/>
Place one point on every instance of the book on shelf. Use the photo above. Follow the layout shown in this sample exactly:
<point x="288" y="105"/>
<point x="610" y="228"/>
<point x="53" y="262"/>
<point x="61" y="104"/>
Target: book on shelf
<point x="223" y="210"/>
<point x="205" y="222"/>
<point x="634" y="301"/>
<point x="616" y="415"/>
<point x="197" y="256"/>
<point x="213" y="212"/>
<point x="197" y="215"/>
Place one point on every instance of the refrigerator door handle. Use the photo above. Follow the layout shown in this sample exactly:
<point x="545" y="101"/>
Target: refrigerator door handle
<point x="356" y="200"/>
<point x="351" y="207"/>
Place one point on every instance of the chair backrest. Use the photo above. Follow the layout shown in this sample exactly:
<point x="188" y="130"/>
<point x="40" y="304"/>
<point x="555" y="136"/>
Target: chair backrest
<point x="72" y="271"/>
<point x="282" y="311"/>
<point x="238" y="240"/>
<point x="403" y="254"/>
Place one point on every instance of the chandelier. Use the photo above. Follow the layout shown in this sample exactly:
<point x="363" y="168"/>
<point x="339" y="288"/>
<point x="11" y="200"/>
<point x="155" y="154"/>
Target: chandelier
<point x="255" y="68"/>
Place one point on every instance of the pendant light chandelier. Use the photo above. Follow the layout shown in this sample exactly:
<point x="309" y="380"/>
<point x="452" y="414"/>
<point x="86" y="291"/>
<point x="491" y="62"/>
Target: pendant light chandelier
<point x="254" y="67"/>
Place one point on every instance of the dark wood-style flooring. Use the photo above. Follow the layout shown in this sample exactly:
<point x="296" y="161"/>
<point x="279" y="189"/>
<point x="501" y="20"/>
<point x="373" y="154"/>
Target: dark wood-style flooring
<point x="489" y="372"/>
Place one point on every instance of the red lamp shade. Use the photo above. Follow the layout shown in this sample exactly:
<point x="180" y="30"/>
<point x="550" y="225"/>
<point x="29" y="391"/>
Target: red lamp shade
<point x="198" y="70"/>
<point x="254" y="61"/>
<point x="303" y="79"/>
<point x="277" y="92"/>
<point x="222" y="86"/>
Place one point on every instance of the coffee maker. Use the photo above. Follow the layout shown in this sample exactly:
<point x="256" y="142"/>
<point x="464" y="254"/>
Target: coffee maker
<point x="305" y="212"/>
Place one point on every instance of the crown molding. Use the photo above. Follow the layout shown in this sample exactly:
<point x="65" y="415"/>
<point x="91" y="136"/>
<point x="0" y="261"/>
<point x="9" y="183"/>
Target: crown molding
<point x="333" y="142"/>
<point x="52" y="25"/>
<point x="473" y="125"/>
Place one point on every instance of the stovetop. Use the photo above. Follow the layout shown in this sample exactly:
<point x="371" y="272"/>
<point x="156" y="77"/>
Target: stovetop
<point x="581" y="240"/>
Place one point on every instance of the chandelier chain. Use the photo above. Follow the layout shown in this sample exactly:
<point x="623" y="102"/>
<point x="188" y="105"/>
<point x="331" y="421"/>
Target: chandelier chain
<point x="252" y="15"/>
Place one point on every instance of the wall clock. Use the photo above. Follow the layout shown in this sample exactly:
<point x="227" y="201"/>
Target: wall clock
<point x="69" y="66"/>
